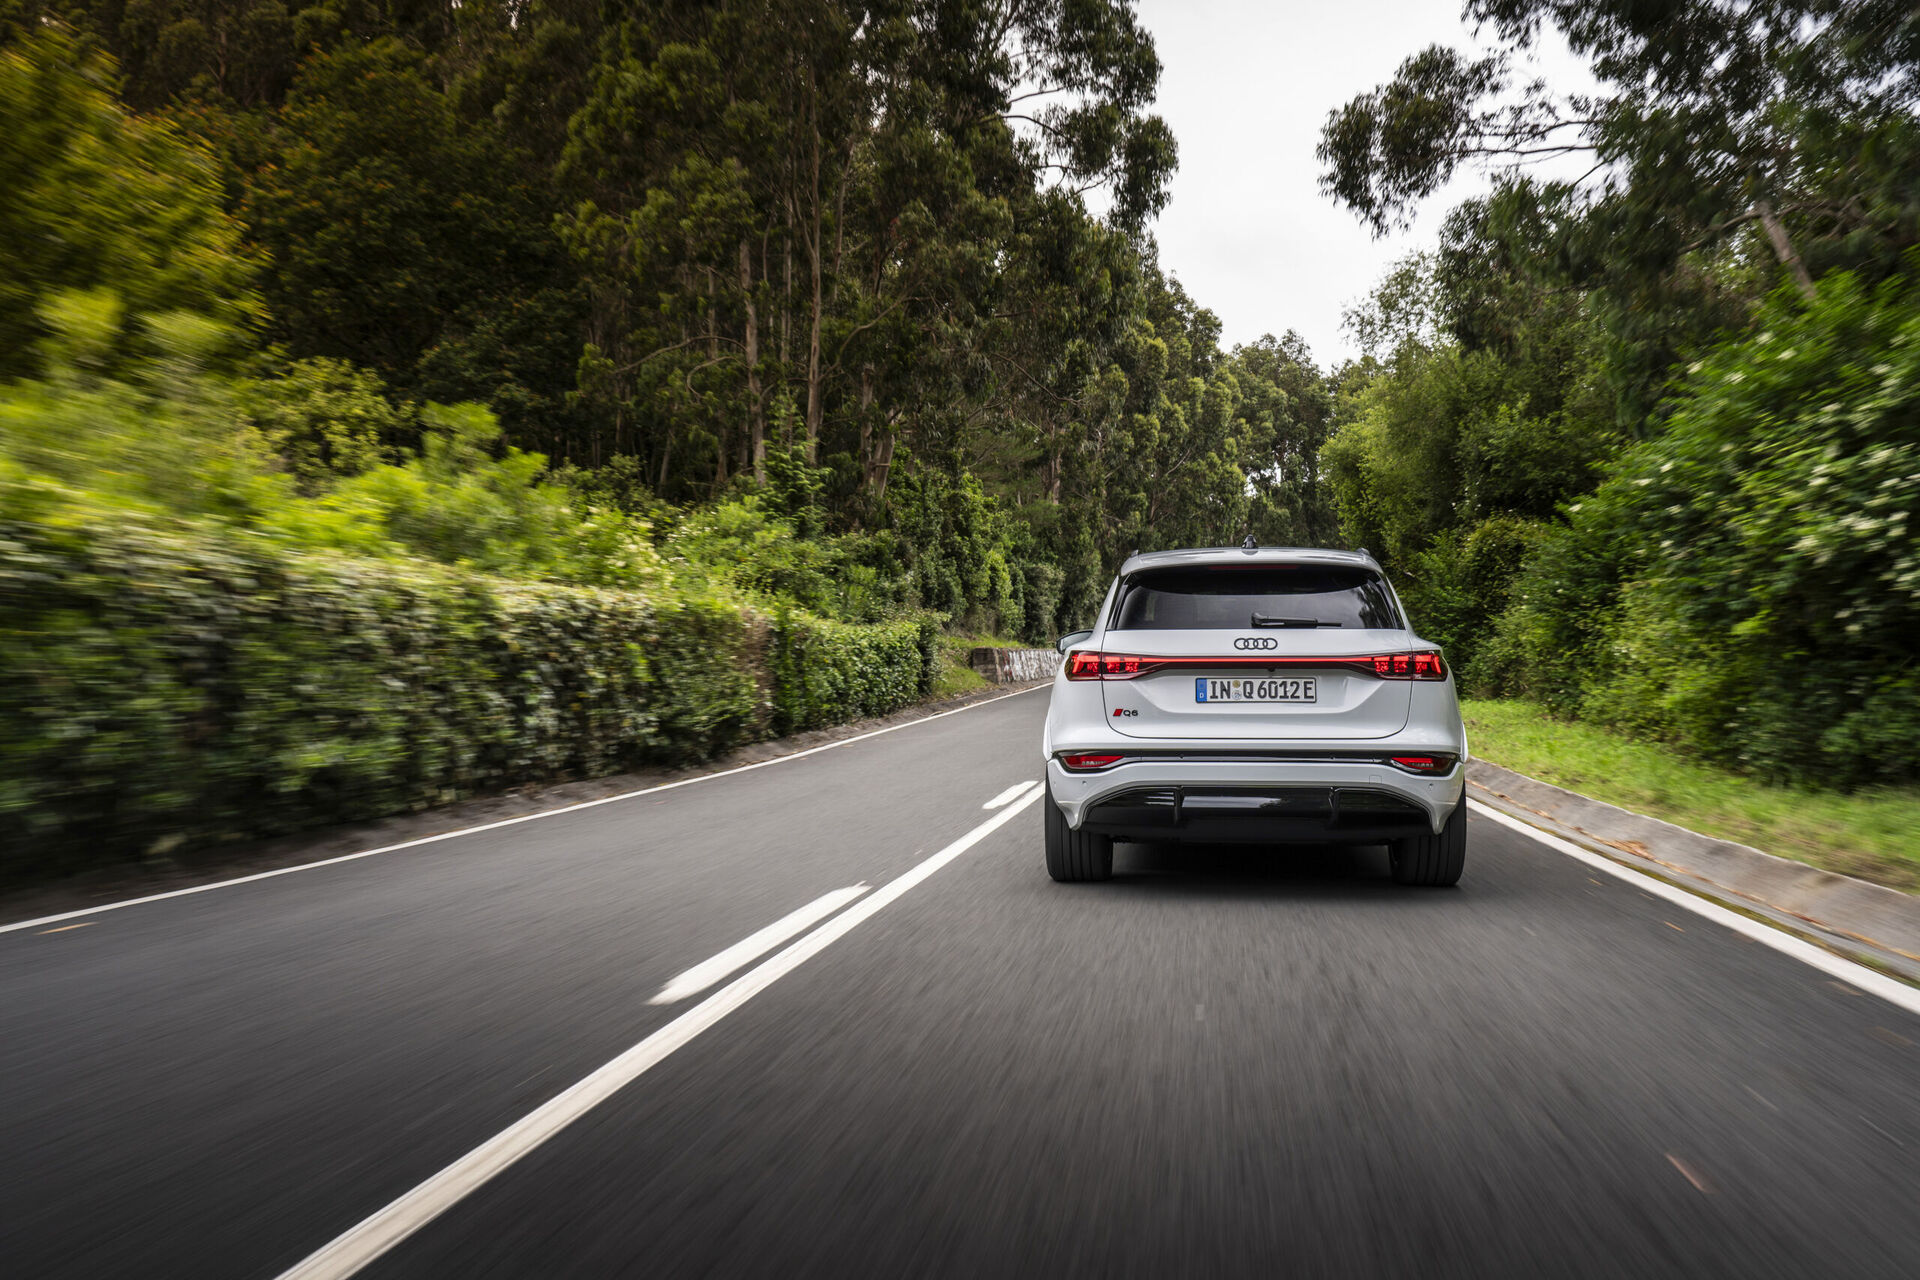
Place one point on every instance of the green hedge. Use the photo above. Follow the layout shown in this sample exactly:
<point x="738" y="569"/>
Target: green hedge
<point x="825" y="672"/>
<point x="165" y="688"/>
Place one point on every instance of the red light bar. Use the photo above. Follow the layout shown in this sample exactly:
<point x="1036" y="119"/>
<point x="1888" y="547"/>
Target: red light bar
<point x="1425" y="664"/>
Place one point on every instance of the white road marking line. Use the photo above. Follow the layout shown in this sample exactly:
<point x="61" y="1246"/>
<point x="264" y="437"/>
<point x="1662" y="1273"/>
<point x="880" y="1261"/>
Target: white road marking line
<point x="504" y="822"/>
<point x="753" y="946"/>
<point x="375" y="1235"/>
<point x="1889" y="989"/>
<point x="1010" y="794"/>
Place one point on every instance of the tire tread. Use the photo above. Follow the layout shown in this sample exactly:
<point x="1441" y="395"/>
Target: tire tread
<point x="1435" y="861"/>
<point x="1074" y="856"/>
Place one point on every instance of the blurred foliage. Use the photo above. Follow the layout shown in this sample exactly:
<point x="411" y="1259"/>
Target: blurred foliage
<point x="196" y="684"/>
<point x="827" y="672"/>
<point x="1742" y="582"/>
<point x="193" y="683"/>
<point x="98" y="198"/>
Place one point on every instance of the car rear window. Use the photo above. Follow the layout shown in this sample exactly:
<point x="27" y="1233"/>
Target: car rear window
<point x="1256" y="597"/>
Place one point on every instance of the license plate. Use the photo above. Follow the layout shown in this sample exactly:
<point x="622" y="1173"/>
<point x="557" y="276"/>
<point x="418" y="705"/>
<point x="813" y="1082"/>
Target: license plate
<point x="1277" y="689"/>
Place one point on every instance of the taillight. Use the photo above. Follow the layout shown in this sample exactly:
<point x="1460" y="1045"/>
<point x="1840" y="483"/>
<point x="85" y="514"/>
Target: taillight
<point x="1423" y="764"/>
<point x="1087" y="761"/>
<point x="1085" y="664"/>
<point x="1425" y="665"/>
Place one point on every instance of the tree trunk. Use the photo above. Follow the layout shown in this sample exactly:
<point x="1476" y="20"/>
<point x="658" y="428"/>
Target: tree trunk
<point x="816" y="408"/>
<point x="1783" y="248"/>
<point x="756" y="412"/>
<point x="882" y="465"/>
<point x="816" y="251"/>
<point x="866" y="423"/>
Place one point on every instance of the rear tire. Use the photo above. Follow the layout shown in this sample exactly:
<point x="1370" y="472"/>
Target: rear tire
<point x="1075" y="855"/>
<point x="1434" y="860"/>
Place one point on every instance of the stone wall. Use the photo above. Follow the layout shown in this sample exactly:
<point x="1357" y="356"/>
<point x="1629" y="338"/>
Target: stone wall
<point x="1015" y="666"/>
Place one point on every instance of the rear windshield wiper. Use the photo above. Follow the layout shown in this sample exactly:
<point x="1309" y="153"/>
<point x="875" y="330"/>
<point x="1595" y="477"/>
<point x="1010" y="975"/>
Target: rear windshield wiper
<point x="1270" y="620"/>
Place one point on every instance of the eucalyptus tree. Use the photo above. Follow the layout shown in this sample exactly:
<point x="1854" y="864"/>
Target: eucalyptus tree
<point x="1720" y="129"/>
<point x="817" y="196"/>
<point x="1286" y="406"/>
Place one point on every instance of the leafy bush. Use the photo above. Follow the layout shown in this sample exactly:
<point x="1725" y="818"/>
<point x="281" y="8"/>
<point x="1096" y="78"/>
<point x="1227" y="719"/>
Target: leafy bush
<point x="325" y="418"/>
<point x="826" y="672"/>
<point x="1748" y="584"/>
<point x="455" y="502"/>
<point x="745" y="545"/>
<point x="1456" y="588"/>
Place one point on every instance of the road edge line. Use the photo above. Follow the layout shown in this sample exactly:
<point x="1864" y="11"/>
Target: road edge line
<point x="1891" y="990"/>
<point x="503" y="822"/>
<point x="380" y="1232"/>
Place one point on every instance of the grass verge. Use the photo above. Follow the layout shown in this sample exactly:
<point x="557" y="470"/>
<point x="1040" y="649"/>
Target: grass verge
<point x="1872" y="834"/>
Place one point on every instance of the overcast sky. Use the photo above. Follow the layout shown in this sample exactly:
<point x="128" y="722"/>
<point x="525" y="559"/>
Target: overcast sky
<point x="1246" y="85"/>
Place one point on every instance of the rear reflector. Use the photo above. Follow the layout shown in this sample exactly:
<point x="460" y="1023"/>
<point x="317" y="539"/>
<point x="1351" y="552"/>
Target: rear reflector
<point x="1086" y="762"/>
<point x="1423" y="764"/>
<point x="1425" y="664"/>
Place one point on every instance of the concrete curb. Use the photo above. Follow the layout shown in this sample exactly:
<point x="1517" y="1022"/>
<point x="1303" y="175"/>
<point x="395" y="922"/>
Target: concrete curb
<point x="1874" y="922"/>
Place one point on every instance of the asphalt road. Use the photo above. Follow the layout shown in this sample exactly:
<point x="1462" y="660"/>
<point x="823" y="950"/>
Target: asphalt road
<point x="1222" y="1063"/>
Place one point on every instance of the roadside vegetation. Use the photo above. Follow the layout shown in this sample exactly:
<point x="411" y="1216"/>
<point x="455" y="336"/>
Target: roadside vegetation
<point x="1867" y="833"/>
<point x="399" y="403"/>
<point x="1645" y="447"/>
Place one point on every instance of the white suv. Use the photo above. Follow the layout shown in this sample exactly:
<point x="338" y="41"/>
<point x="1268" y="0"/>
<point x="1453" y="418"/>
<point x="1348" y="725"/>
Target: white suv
<point x="1265" y="695"/>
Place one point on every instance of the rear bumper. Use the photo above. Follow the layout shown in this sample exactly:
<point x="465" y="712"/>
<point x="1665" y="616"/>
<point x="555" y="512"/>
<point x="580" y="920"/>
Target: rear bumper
<point x="1255" y="801"/>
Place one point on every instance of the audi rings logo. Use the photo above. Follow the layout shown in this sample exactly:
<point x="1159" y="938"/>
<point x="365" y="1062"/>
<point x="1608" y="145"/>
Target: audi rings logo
<point x="1256" y="642"/>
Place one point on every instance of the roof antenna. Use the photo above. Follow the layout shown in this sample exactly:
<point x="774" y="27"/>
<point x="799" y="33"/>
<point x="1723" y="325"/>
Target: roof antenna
<point x="1249" y="546"/>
